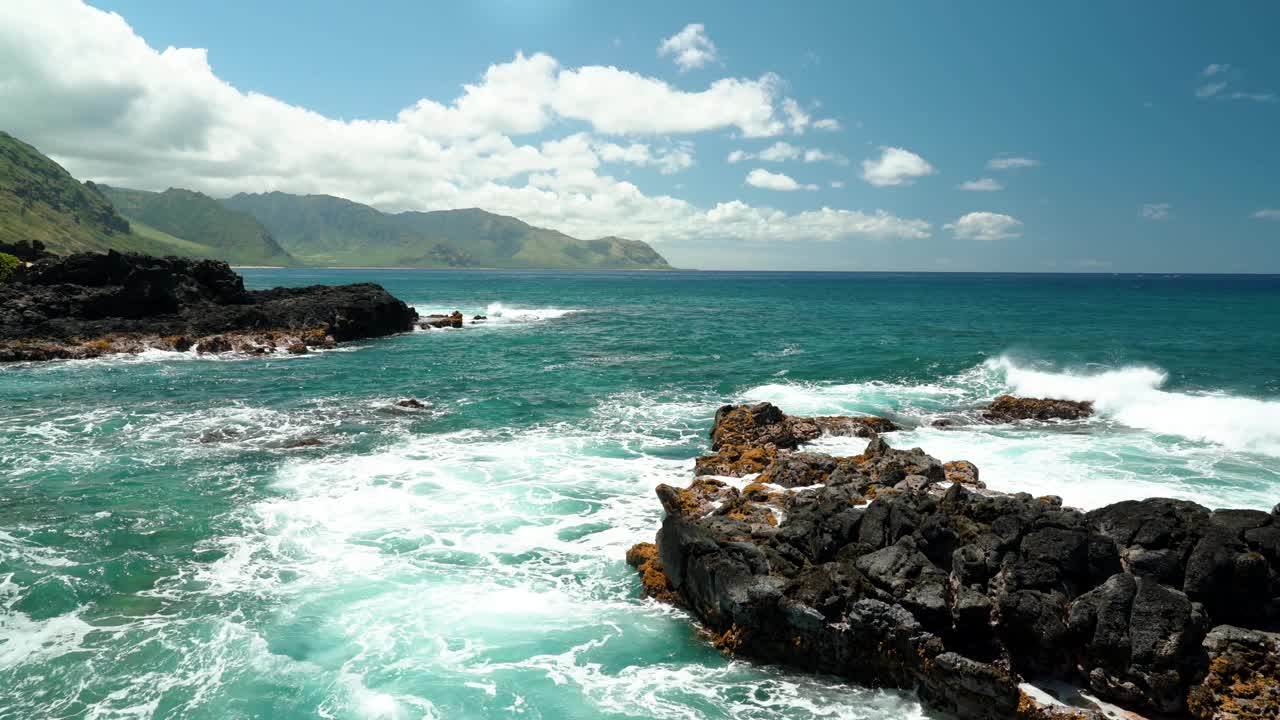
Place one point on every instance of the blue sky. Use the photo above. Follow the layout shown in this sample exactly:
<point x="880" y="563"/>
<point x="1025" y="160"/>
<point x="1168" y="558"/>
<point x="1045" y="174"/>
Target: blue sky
<point x="1150" y="128"/>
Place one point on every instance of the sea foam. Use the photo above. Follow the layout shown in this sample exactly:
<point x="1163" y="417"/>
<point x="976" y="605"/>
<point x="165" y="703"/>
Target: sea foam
<point x="1133" y="396"/>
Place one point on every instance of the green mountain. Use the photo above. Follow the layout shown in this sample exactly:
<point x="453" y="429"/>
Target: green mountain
<point x="327" y="230"/>
<point x="39" y="200"/>
<point x="202" y="221"/>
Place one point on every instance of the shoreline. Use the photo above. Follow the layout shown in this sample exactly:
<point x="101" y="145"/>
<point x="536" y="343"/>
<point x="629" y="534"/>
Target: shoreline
<point x="894" y="569"/>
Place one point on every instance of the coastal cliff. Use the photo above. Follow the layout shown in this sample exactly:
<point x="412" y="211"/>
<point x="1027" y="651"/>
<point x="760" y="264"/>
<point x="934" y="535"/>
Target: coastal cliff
<point x="90" y="304"/>
<point x="892" y="568"/>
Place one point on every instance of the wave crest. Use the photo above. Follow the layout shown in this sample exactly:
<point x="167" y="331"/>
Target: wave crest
<point x="1133" y="396"/>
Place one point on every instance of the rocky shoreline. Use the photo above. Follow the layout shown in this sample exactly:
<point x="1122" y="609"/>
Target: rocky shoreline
<point x="894" y="569"/>
<point x="88" y="305"/>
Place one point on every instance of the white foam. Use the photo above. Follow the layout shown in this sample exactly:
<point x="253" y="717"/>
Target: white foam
<point x="500" y="314"/>
<point x="498" y="311"/>
<point x="1144" y="442"/>
<point x="1132" y="396"/>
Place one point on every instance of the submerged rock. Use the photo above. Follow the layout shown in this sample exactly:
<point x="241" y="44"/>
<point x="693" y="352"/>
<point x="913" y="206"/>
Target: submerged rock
<point x="894" y="569"/>
<point x="412" y="404"/>
<point x="88" y="304"/>
<point x="1008" y="408"/>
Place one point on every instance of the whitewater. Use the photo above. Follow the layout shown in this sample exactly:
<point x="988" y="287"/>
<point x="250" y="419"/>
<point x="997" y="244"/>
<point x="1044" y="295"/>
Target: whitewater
<point x="168" y="550"/>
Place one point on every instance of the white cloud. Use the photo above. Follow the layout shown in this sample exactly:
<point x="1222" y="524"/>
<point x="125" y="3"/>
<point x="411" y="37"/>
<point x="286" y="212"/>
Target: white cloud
<point x="775" y="181"/>
<point x="668" y="161"/>
<point x="797" y="118"/>
<point x="779" y="151"/>
<point x="1156" y="211"/>
<point x="782" y="151"/>
<point x="1267" y="97"/>
<point x="81" y="86"/>
<point x="895" y="166"/>
<point x="621" y="102"/>
<point x="981" y="185"/>
<point x="1225" y="75"/>
<point x="690" y="48"/>
<point x="1210" y="89"/>
<point x="837" y="184"/>
<point x="830" y="124"/>
<point x="1267" y="214"/>
<point x="985" y="226"/>
<point x="741" y="220"/>
<point x="813" y="155"/>
<point x="1011" y="163"/>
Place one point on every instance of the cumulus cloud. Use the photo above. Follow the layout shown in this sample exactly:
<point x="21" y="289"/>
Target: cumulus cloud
<point x="797" y="118"/>
<point x="837" y="184"/>
<point x="1156" y="211"/>
<point x="895" y="166"/>
<point x="985" y="226"/>
<point x="81" y="86"/>
<point x="668" y="161"/>
<point x="690" y="48"/>
<point x="1011" y="163"/>
<point x="1215" y="69"/>
<point x="779" y="151"/>
<point x="775" y="181"/>
<point x="782" y="151"/>
<point x="981" y="185"/>
<point x="1267" y="214"/>
<point x="830" y="124"/>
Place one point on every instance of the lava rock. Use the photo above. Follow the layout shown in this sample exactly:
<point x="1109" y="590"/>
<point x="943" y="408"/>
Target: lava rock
<point x="89" y="303"/>
<point x="1008" y="408"/>
<point x="875" y="568"/>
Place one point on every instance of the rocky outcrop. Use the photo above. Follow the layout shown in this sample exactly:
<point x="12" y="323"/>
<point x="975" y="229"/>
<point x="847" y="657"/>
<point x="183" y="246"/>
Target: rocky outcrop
<point x="89" y="304"/>
<point x="749" y="439"/>
<point x="1008" y="408"/>
<point x="452" y="320"/>
<point x="892" y="568"/>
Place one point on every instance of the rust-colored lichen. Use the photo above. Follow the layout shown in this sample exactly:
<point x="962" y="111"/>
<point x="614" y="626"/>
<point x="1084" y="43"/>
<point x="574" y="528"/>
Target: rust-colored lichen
<point x="730" y="640"/>
<point x="653" y="580"/>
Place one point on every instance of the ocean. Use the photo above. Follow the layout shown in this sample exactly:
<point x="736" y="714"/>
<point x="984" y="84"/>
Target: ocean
<point x="170" y="547"/>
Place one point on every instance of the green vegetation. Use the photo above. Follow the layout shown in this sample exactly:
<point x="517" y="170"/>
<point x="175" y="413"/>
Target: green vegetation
<point x="199" y="224"/>
<point x="327" y="230"/>
<point x="40" y="202"/>
<point x="8" y="264"/>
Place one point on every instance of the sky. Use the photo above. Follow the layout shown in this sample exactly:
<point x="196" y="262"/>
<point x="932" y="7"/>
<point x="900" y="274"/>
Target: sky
<point x="915" y="136"/>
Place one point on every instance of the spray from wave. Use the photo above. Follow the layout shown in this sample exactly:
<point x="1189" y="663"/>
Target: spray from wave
<point x="501" y="314"/>
<point x="1133" y="396"/>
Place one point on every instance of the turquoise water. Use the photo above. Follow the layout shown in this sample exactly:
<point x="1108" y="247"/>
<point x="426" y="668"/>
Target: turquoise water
<point x="165" y="553"/>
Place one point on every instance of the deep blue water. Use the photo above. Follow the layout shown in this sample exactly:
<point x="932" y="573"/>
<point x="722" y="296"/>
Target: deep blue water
<point x="164" y="552"/>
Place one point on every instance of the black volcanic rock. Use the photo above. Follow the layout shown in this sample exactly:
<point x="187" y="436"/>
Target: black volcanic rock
<point x="87" y="304"/>
<point x="893" y="569"/>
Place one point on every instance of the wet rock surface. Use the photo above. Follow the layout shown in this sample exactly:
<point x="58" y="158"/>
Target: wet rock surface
<point x="892" y="568"/>
<point x="91" y="304"/>
<point x="1008" y="408"/>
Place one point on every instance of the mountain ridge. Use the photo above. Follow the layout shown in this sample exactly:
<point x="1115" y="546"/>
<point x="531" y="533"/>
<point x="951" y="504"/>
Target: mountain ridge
<point x="331" y="230"/>
<point x="41" y="201"/>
